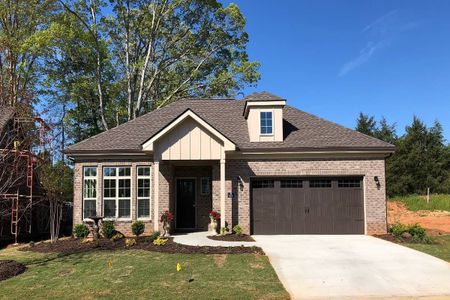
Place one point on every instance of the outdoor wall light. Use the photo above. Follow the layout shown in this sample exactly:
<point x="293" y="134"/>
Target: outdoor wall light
<point x="377" y="181"/>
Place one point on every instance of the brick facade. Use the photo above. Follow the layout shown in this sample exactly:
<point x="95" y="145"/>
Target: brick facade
<point x="238" y="205"/>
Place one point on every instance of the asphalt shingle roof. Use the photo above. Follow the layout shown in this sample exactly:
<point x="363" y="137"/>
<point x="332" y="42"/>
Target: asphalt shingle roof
<point x="302" y="131"/>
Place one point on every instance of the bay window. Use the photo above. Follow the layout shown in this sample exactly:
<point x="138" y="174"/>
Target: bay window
<point x="117" y="192"/>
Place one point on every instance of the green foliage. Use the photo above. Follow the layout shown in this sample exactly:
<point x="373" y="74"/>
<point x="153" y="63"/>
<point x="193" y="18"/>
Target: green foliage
<point x="417" y="202"/>
<point x="417" y="232"/>
<point x="223" y="230"/>
<point x="130" y="242"/>
<point x="238" y="229"/>
<point x="108" y="229"/>
<point x="153" y="237"/>
<point x="117" y="236"/>
<point x="138" y="228"/>
<point x="421" y="159"/>
<point x="81" y="231"/>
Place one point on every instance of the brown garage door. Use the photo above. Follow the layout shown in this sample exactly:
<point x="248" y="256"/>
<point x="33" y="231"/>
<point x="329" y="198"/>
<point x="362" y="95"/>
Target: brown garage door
<point x="307" y="206"/>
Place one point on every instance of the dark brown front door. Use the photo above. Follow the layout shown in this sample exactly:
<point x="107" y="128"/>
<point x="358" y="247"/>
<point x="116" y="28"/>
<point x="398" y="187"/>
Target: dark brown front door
<point x="307" y="206"/>
<point x="185" y="215"/>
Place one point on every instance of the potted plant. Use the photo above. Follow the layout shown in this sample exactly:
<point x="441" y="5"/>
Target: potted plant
<point x="166" y="219"/>
<point x="214" y="216"/>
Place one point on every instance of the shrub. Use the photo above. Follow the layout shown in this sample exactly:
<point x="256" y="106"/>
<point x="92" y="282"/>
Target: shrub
<point x="417" y="231"/>
<point x="81" y="231"/>
<point x="398" y="229"/>
<point x="130" y="242"/>
<point x="116" y="237"/>
<point x="153" y="237"/>
<point x="238" y="229"/>
<point x="159" y="241"/>
<point x="223" y="230"/>
<point x="108" y="229"/>
<point x="138" y="228"/>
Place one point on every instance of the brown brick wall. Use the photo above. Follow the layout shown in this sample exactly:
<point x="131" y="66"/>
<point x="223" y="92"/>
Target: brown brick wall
<point x="238" y="207"/>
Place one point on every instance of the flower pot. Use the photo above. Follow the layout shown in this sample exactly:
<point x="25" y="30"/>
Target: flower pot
<point x="212" y="227"/>
<point x="166" y="229"/>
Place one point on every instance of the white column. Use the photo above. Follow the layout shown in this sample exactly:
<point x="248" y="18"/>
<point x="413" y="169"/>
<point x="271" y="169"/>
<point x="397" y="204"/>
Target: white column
<point x="222" y="193"/>
<point x="156" y="196"/>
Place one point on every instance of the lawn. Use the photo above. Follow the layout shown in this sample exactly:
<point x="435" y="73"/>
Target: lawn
<point x="440" y="249"/>
<point x="141" y="274"/>
<point x="417" y="202"/>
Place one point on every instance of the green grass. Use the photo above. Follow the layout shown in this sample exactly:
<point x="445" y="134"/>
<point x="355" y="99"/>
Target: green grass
<point x="440" y="249"/>
<point x="416" y="202"/>
<point x="141" y="274"/>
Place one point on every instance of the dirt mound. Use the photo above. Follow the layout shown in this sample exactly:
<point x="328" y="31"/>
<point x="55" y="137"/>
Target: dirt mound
<point x="436" y="222"/>
<point x="10" y="268"/>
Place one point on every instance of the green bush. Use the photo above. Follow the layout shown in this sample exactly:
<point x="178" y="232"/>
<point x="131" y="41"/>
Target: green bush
<point x="238" y="229"/>
<point x="138" y="228"/>
<point x="81" y="231"/>
<point x="108" y="229"/>
<point x="417" y="231"/>
<point x="398" y="229"/>
<point x="153" y="237"/>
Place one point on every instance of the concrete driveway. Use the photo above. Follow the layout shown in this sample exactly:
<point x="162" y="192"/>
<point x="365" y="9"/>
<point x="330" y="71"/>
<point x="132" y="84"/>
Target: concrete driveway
<point x="353" y="266"/>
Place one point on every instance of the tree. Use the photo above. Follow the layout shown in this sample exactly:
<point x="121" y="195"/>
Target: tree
<point x="21" y="23"/>
<point x="366" y="124"/>
<point x="386" y="132"/>
<point x="56" y="182"/>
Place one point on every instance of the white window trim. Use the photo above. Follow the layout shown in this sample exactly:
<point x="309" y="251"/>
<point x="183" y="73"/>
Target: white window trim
<point x="143" y="198"/>
<point x="117" y="198"/>
<point x="273" y="128"/>
<point x="84" y="189"/>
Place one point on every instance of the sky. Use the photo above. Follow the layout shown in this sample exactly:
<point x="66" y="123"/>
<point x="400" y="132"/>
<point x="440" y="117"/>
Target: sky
<point x="335" y="59"/>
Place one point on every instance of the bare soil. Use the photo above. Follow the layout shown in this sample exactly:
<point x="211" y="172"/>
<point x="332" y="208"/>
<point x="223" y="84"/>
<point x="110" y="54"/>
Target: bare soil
<point x="10" y="268"/>
<point x="72" y="245"/>
<point x="436" y="222"/>
<point x="232" y="238"/>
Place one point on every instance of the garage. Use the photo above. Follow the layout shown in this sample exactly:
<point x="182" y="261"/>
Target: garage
<point x="301" y="205"/>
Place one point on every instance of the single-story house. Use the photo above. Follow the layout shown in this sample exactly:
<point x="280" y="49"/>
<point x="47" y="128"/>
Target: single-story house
<point x="267" y="166"/>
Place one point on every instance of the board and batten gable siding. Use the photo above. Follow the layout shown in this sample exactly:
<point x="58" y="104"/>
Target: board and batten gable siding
<point x="189" y="141"/>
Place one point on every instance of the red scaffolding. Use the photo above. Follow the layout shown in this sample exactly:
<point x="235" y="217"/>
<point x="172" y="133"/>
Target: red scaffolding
<point x="22" y="199"/>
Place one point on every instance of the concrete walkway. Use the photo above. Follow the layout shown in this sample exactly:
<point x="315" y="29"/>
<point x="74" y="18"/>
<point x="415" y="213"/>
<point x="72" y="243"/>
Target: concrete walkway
<point x="200" y="239"/>
<point x="353" y="266"/>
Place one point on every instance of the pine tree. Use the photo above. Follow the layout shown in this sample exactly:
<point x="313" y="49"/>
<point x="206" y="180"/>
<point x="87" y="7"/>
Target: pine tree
<point x="366" y="124"/>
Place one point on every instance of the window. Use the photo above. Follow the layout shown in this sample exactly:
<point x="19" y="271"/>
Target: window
<point x="291" y="183"/>
<point x="117" y="192"/>
<point x="143" y="192"/>
<point x="263" y="183"/>
<point x="320" y="183"/>
<point x="205" y="184"/>
<point x="89" y="191"/>
<point x="349" y="183"/>
<point x="266" y="122"/>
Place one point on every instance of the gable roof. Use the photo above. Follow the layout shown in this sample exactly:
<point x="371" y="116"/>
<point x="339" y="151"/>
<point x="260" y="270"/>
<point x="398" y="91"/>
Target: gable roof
<point x="228" y="145"/>
<point x="265" y="96"/>
<point x="302" y="131"/>
<point x="6" y="114"/>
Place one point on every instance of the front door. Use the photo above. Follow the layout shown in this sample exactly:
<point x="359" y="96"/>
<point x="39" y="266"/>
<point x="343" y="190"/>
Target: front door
<point x="185" y="203"/>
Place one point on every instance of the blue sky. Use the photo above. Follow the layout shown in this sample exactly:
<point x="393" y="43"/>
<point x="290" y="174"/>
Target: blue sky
<point x="337" y="58"/>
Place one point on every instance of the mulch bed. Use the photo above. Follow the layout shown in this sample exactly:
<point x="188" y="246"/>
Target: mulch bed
<point x="10" y="268"/>
<point x="232" y="238"/>
<point x="72" y="245"/>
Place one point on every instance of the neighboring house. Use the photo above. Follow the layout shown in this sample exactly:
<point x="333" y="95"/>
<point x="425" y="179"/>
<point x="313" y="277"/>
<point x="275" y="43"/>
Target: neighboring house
<point x="267" y="166"/>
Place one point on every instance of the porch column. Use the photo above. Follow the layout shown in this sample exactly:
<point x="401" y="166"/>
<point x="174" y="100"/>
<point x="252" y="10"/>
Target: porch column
<point x="222" y="193"/>
<point x="156" y="195"/>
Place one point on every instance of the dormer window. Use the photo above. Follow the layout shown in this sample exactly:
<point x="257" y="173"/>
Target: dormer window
<point x="266" y="122"/>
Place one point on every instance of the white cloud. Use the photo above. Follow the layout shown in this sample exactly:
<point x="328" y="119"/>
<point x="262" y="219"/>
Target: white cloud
<point x="380" y="34"/>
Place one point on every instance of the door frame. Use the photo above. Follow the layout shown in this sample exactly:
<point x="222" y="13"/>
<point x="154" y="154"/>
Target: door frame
<point x="195" y="201"/>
